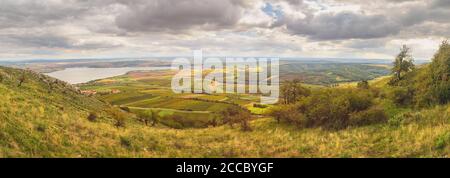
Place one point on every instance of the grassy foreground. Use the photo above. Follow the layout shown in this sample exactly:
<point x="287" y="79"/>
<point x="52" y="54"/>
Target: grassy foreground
<point x="42" y="120"/>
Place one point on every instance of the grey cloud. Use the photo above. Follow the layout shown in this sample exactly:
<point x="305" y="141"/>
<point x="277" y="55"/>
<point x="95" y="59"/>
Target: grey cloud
<point x="366" y="44"/>
<point x="35" y="13"/>
<point x="175" y="15"/>
<point x="344" y="25"/>
<point x="398" y="18"/>
<point x="294" y="2"/>
<point x="53" y="41"/>
<point x="441" y="3"/>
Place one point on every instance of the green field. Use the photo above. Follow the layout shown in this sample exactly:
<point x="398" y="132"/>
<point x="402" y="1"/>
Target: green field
<point x="147" y="90"/>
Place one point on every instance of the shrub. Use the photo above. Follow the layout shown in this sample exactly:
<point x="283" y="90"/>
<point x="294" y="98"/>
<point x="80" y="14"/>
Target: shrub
<point x="126" y="142"/>
<point x="401" y="95"/>
<point x="92" y="117"/>
<point x="288" y="114"/>
<point x="119" y="116"/>
<point x="120" y="122"/>
<point x="245" y="126"/>
<point x="359" y="100"/>
<point x="442" y="141"/>
<point x="328" y="108"/>
<point x="373" y="115"/>
<point x="256" y="105"/>
<point x="148" y="116"/>
<point x="236" y="114"/>
<point x="363" y="84"/>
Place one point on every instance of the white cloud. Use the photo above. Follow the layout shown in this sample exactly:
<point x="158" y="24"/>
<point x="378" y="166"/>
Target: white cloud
<point x="333" y="28"/>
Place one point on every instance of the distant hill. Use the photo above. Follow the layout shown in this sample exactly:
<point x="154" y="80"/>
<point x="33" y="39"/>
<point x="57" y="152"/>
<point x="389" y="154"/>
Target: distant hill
<point x="322" y="73"/>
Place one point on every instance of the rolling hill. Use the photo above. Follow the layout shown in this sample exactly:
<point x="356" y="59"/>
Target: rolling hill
<point x="39" y="119"/>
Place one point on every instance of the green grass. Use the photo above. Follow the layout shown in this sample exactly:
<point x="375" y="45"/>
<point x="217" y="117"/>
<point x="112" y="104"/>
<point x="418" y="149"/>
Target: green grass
<point x="127" y="97"/>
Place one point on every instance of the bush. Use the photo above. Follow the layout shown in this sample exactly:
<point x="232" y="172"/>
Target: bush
<point x="328" y="108"/>
<point x="236" y="114"/>
<point x="92" y="117"/>
<point x="119" y="116"/>
<point x="120" y="122"/>
<point x="373" y="115"/>
<point x="148" y="116"/>
<point x="256" y="105"/>
<point x="363" y="84"/>
<point x="401" y="95"/>
<point x="125" y="141"/>
<point x="360" y="100"/>
<point x="442" y="141"/>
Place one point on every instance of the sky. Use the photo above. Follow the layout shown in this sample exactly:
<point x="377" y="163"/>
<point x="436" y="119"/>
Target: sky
<point x="375" y="29"/>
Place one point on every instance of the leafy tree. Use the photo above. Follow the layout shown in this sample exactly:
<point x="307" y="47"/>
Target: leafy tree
<point x="291" y="91"/>
<point x="244" y="116"/>
<point x="154" y="118"/>
<point x="235" y="114"/>
<point x="148" y="116"/>
<point x="288" y="114"/>
<point x="229" y="115"/>
<point x="440" y="73"/>
<point x="403" y="63"/>
<point x="429" y="85"/>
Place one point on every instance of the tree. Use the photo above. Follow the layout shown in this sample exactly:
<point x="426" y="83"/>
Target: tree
<point x="154" y="118"/>
<point x="403" y="63"/>
<point x="440" y="73"/>
<point x="149" y="116"/>
<point x="229" y="115"/>
<point x="291" y="91"/>
<point x="243" y="117"/>
<point x="236" y="114"/>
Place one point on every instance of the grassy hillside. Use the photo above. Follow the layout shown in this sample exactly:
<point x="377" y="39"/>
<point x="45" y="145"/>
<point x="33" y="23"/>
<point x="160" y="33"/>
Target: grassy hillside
<point x="46" y="117"/>
<point x="39" y="120"/>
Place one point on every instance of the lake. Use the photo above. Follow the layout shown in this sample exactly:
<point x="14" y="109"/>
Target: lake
<point x="83" y="75"/>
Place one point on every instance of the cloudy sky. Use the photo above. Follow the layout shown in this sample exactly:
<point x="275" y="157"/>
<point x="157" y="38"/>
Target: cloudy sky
<point x="53" y="29"/>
